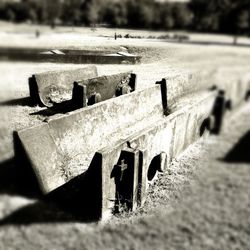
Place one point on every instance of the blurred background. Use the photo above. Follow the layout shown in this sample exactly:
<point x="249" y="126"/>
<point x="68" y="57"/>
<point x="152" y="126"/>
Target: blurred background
<point x="220" y="16"/>
<point x="202" y="202"/>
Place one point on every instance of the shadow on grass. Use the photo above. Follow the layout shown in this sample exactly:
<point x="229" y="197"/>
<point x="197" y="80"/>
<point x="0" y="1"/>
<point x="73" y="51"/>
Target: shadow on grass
<point x="60" y="108"/>
<point x="73" y="202"/>
<point x="25" y="101"/>
<point x="240" y="153"/>
<point x="18" y="179"/>
<point x="77" y="200"/>
<point x="40" y="212"/>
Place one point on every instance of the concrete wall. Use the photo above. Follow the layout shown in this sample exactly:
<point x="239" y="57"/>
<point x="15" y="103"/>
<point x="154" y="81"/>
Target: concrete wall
<point x="70" y="56"/>
<point x="188" y="83"/>
<point x="171" y="135"/>
<point x="106" y="86"/>
<point x="56" y="86"/>
<point x="68" y="146"/>
<point x="72" y="140"/>
<point x="236" y="84"/>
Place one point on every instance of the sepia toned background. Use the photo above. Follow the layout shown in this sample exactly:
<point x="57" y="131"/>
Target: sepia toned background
<point x="202" y="201"/>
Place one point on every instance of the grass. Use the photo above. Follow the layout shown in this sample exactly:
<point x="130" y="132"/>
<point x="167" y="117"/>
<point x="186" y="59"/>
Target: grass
<point x="200" y="203"/>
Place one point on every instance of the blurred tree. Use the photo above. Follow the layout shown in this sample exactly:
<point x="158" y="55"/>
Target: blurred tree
<point x="21" y="11"/>
<point x="229" y="16"/>
<point x="242" y="20"/>
<point x="182" y="15"/>
<point x="145" y="16"/>
<point x="51" y="11"/>
<point x="140" y="13"/>
<point x="167" y="19"/>
<point x="10" y="15"/>
<point x="72" y="12"/>
<point x="115" y="14"/>
<point x="91" y="11"/>
<point x="33" y="16"/>
<point x="241" y="23"/>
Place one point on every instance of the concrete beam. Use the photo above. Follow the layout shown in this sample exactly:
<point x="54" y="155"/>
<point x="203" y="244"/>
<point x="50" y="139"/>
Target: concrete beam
<point x="236" y="85"/>
<point x="87" y="92"/>
<point x="69" y="56"/>
<point x="170" y="135"/>
<point x="132" y="128"/>
<point x="187" y="83"/>
<point x="54" y="87"/>
<point x="65" y="145"/>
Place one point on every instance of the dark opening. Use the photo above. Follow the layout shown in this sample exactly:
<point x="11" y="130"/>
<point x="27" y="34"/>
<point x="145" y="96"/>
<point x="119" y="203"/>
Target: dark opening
<point x="154" y="166"/>
<point x="218" y="112"/>
<point x="206" y="124"/>
<point x="240" y="153"/>
<point x="247" y="95"/>
<point x="229" y="104"/>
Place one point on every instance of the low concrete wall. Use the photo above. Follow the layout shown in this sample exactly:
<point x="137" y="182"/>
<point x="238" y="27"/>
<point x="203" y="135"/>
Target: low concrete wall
<point x="70" y="56"/>
<point x="134" y="128"/>
<point x="65" y="146"/>
<point x="105" y="87"/>
<point x="188" y="83"/>
<point x="170" y="135"/>
<point x="236" y="84"/>
<point x="55" y="87"/>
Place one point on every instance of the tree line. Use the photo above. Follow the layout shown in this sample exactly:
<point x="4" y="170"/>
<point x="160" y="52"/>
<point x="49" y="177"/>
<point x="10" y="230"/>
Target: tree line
<point x="222" y="16"/>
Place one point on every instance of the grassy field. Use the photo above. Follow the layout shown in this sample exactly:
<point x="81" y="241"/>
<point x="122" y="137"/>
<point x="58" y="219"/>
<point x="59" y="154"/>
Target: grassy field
<point x="200" y="203"/>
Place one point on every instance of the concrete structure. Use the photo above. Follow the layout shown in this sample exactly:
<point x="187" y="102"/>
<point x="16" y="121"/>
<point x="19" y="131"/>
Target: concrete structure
<point x="105" y="87"/>
<point x="68" y="56"/>
<point x="72" y="89"/>
<point x="116" y="147"/>
<point x="51" y="88"/>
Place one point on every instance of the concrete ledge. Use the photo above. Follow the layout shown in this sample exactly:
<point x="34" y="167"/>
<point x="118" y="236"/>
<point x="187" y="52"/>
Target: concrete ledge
<point x="236" y="85"/>
<point x="55" y="87"/>
<point x="68" y="56"/>
<point x="169" y="136"/>
<point x="187" y="83"/>
<point x="130" y="133"/>
<point x="93" y="90"/>
<point x="73" y="139"/>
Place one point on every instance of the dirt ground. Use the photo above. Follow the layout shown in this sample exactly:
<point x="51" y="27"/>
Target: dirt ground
<point x="202" y="202"/>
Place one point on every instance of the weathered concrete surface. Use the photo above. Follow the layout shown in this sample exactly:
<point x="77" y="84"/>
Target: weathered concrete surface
<point x="68" y="56"/>
<point x="55" y="87"/>
<point x="105" y="86"/>
<point x="154" y="135"/>
<point x="131" y="122"/>
<point x="146" y="144"/>
<point x="236" y="84"/>
<point x="73" y="139"/>
<point x="187" y="83"/>
<point x="171" y="135"/>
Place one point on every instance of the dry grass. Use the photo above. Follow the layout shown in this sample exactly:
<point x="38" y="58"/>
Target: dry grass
<point x="200" y="203"/>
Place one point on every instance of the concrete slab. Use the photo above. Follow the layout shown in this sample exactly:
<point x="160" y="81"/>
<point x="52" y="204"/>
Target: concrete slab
<point x="188" y="83"/>
<point x="79" y="134"/>
<point x="76" y="56"/>
<point x="236" y="85"/>
<point x="55" y="87"/>
<point x="105" y="87"/>
<point x="134" y="122"/>
<point x="151" y="142"/>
